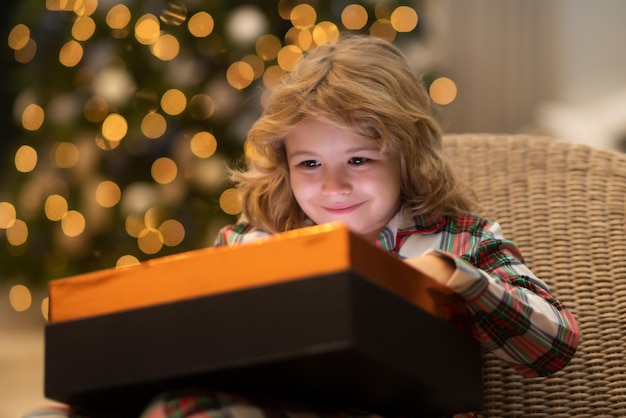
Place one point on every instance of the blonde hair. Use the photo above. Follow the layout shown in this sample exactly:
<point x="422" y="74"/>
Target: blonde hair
<point x="366" y="85"/>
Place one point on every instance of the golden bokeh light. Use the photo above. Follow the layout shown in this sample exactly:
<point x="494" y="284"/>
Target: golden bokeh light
<point x="267" y="47"/>
<point x="55" y="207"/>
<point x="166" y="47"/>
<point x="114" y="127"/>
<point x="303" y="16"/>
<point x="201" y="24"/>
<point x="54" y="5"/>
<point x="404" y="19"/>
<point x="95" y="109"/>
<point x="65" y="154"/>
<point x="118" y="17"/>
<point x="201" y="107"/>
<point x="85" y="7"/>
<point x="288" y="56"/>
<point x="73" y="223"/>
<point x="127" y="261"/>
<point x="240" y="75"/>
<point x="325" y="32"/>
<point x="7" y="215"/>
<point x="443" y="91"/>
<point x="19" y="36"/>
<point x="203" y="144"/>
<point x="25" y="159"/>
<point x="33" y="117"/>
<point x="382" y="28"/>
<point x="354" y="17"/>
<point x="173" y="102"/>
<point x="272" y="76"/>
<point x="302" y="38"/>
<point x="20" y="298"/>
<point x="284" y="8"/>
<point x="164" y="170"/>
<point x="257" y="64"/>
<point x="83" y="28"/>
<point x="27" y="53"/>
<point x="71" y="53"/>
<point x="153" y="217"/>
<point x="17" y="233"/>
<point x="45" y="307"/>
<point x="153" y="125"/>
<point x="108" y="194"/>
<point x="230" y="202"/>
<point x="150" y="241"/>
<point x="147" y="29"/>
<point x="134" y="224"/>
<point x="175" y="13"/>
<point x="173" y="232"/>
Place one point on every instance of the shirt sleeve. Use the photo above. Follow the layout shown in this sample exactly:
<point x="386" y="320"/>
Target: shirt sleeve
<point x="239" y="233"/>
<point x="513" y="313"/>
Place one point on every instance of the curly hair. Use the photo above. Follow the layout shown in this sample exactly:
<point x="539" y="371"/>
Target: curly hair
<point x="363" y="84"/>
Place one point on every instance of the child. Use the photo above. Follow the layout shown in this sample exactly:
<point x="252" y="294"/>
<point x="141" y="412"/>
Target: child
<point x="349" y="136"/>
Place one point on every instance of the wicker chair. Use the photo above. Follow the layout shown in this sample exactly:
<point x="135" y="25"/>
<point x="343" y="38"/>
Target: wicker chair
<point x="565" y="206"/>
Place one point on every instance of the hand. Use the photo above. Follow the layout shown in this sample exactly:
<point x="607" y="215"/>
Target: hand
<point x="433" y="266"/>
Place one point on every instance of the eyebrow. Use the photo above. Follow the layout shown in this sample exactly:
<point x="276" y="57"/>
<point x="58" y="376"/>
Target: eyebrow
<point x="355" y="150"/>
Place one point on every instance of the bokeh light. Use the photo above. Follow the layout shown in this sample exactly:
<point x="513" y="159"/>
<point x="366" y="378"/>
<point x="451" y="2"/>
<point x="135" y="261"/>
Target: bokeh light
<point x="114" y="127"/>
<point x="56" y="207"/>
<point x="33" y="117"/>
<point x="118" y="17"/>
<point x="7" y="215"/>
<point x="73" y="223"/>
<point x="164" y="170"/>
<point x="173" y="102"/>
<point x="404" y="19"/>
<point x="25" y="159"/>
<point x="354" y="17"/>
<point x="20" y="298"/>
<point x="108" y="194"/>
<point x="443" y="91"/>
<point x="153" y="125"/>
<point x="203" y="144"/>
<point x="230" y="202"/>
<point x="201" y="24"/>
<point x="19" y="36"/>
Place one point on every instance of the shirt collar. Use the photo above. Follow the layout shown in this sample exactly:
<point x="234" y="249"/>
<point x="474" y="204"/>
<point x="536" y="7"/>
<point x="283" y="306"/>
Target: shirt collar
<point x="404" y="223"/>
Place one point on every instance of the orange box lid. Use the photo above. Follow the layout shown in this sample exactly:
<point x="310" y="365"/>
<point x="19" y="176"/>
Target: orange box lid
<point x="292" y="255"/>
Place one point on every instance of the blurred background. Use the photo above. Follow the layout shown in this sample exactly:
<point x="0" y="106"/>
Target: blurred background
<point x="118" y="118"/>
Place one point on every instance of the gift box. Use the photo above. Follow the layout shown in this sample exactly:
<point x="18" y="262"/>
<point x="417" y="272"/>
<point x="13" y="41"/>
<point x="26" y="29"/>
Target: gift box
<point x="317" y="316"/>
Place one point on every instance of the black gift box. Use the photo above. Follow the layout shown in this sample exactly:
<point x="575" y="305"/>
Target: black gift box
<point x="337" y="339"/>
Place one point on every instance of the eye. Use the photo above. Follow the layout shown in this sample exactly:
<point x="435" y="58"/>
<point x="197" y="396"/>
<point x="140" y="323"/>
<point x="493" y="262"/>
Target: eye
<point x="358" y="160"/>
<point x="308" y="164"/>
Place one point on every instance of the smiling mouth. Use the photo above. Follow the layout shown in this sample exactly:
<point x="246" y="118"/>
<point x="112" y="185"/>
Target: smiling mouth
<point x="341" y="209"/>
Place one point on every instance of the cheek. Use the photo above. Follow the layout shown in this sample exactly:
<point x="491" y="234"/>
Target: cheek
<point x="299" y="186"/>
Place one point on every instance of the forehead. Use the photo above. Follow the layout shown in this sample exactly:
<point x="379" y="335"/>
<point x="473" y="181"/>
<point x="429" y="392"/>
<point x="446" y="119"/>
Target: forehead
<point x="314" y="133"/>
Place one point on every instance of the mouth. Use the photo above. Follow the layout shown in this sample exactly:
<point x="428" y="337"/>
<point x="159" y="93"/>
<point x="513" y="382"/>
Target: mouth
<point x="341" y="209"/>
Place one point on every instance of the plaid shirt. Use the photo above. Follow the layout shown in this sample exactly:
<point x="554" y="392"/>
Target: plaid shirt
<point x="512" y="312"/>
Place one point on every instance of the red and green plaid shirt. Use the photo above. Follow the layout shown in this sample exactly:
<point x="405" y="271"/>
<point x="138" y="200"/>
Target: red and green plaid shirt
<point x="512" y="312"/>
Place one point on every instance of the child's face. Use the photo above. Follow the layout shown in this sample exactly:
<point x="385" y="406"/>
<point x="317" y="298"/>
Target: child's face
<point x="337" y="175"/>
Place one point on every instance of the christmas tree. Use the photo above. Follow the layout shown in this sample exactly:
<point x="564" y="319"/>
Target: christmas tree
<point x="126" y="115"/>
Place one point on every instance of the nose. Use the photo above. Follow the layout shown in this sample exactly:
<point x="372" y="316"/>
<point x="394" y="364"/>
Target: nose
<point x="336" y="182"/>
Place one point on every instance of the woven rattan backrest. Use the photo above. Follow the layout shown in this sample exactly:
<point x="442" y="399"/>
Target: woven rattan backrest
<point x="564" y="205"/>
